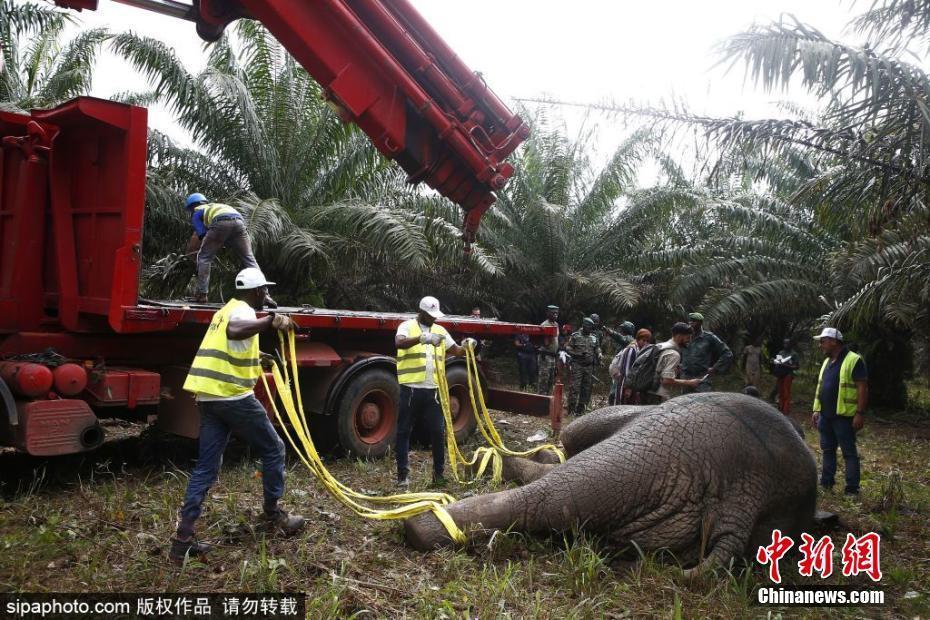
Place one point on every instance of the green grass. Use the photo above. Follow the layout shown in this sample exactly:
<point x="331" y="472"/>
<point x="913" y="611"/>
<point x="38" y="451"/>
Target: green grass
<point x="107" y="529"/>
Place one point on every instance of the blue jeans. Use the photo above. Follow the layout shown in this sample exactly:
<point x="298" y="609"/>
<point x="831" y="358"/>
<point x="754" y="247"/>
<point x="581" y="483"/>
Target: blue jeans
<point x="420" y="404"/>
<point x="838" y="431"/>
<point x="248" y="420"/>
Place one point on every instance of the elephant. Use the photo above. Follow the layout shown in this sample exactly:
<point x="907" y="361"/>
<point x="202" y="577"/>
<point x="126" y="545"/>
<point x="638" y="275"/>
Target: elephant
<point x="705" y="476"/>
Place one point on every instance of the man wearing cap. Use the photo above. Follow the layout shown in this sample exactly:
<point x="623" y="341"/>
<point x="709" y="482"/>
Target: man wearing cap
<point x="222" y="376"/>
<point x="582" y="347"/>
<point x="706" y="355"/>
<point x="839" y="407"/>
<point x="548" y="353"/>
<point x="419" y="342"/>
<point x="216" y="225"/>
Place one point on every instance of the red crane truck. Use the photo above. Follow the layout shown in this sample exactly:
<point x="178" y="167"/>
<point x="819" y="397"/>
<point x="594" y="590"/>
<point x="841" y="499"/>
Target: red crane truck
<point x="78" y="344"/>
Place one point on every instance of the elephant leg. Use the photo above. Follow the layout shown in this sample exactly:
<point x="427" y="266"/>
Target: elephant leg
<point x="546" y="456"/>
<point x="518" y="469"/>
<point x="598" y="425"/>
<point x="524" y="471"/>
<point x="499" y="510"/>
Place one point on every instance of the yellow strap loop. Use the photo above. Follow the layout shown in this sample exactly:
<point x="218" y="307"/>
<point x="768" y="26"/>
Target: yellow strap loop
<point x="484" y="456"/>
<point x="297" y="433"/>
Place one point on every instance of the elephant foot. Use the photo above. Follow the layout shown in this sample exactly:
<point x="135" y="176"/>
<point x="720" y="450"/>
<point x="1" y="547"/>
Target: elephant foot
<point x="516" y="469"/>
<point x="547" y="457"/>
<point x="425" y="532"/>
<point x="495" y="511"/>
<point x="524" y="471"/>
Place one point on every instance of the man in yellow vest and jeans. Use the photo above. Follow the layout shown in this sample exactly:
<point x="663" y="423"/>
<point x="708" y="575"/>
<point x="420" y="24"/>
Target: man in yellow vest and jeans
<point x="839" y="407"/>
<point x="223" y="376"/>
<point x="419" y="343"/>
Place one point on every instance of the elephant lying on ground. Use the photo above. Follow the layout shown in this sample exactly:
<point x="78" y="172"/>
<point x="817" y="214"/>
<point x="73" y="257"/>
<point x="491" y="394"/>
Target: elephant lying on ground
<point x="704" y="476"/>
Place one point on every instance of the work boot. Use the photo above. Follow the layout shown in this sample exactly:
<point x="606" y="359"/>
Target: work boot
<point x="181" y="549"/>
<point x="403" y="480"/>
<point x="270" y="303"/>
<point x="279" y="520"/>
<point x="439" y="481"/>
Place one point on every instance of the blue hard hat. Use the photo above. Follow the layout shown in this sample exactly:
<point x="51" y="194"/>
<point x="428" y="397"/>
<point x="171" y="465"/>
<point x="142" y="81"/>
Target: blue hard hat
<point x="194" y="199"/>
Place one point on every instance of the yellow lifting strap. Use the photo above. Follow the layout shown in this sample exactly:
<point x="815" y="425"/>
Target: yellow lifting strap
<point x="411" y="504"/>
<point x="496" y="449"/>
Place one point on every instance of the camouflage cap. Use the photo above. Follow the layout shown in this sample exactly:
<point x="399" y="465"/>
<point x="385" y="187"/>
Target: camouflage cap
<point x="587" y="321"/>
<point x="696" y="316"/>
<point x="552" y="308"/>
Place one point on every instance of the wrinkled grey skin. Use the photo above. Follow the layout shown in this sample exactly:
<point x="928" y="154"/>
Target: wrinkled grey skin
<point x="706" y="476"/>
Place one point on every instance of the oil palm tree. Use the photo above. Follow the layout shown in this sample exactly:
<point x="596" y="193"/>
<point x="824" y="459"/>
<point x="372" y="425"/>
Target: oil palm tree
<point x="39" y="68"/>
<point x="324" y="208"/>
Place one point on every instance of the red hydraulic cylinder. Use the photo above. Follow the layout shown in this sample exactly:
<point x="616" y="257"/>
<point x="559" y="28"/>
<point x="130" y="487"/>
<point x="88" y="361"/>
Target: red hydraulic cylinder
<point x="70" y="379"/>
<point x="26" y="378"/>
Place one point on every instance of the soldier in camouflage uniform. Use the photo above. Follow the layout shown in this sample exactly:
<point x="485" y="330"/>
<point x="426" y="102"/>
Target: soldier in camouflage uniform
<point x="548" y="354"/>
<point x="582" y="347"/>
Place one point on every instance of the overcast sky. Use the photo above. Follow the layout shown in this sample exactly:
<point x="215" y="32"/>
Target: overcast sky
<point x="583" y="50"/>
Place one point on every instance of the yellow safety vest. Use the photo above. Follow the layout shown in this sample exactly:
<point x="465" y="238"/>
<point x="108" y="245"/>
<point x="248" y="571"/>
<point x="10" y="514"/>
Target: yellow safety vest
<point x="411" y="363"/>
<point x="847" y="401"/>
<point x="215" y="209"/>
<point x="219" y="371"/>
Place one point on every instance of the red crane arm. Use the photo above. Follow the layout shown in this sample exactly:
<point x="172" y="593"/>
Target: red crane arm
<point x="386" y="70"/>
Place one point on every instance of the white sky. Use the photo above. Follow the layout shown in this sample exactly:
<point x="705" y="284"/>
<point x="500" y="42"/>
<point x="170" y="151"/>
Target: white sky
<point x="583" y="50"/>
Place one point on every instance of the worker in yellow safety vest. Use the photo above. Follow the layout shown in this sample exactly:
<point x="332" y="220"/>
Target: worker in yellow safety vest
<point x="839" y="407"/>
<point x="217" y="225"/>
<point x="419" y="342"/>
<point x="222" y="377"/>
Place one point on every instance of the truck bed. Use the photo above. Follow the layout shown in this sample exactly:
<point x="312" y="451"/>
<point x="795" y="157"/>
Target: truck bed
<point x="171" y="314"/>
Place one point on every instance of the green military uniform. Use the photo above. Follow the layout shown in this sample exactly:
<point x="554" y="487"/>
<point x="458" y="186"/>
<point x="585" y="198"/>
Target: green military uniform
<point x="548" y="361"/>
<point x="583" y="349"/>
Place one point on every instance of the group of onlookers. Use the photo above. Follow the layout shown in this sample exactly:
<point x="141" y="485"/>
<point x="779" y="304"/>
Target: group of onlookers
<point x="645" y="373"/>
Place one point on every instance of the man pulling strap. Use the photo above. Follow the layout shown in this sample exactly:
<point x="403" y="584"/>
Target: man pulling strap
<point x="223" y="376"/>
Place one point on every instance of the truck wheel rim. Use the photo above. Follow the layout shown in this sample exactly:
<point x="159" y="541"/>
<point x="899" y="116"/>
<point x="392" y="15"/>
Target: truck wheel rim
<point x="460" y="406"/>
<point x="374" y="417"/>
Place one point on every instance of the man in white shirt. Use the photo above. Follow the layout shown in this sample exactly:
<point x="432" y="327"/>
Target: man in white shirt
<point x="418" y="343"/>
<point x="667" y="366"/>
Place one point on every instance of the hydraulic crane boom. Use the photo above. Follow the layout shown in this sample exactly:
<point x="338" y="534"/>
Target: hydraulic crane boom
<point x="386" y="70"/>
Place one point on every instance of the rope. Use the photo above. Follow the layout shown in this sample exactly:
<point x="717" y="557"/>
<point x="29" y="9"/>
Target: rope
<point x="411" y="504"/>
<point x="495" y="451"/>
<point x="297" y="434"/>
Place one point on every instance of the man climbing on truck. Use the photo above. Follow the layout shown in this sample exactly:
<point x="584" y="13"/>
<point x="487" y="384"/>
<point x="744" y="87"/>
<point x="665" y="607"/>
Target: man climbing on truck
<point x="223" y="375"/>
<point x="217" y="225"/>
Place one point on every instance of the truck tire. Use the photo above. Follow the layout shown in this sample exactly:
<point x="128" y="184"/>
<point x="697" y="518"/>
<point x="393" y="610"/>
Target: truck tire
<point x="366" y="416"/>
<point x="463" y="416"/>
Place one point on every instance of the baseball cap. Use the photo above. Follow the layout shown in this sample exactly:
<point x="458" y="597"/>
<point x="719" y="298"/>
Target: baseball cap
<point x="552" y="308"/>
<point x="696" y="316"/>
<point x="830" y="332"/>
<point x="430" y="305"/>
<point x="250" y="278"/>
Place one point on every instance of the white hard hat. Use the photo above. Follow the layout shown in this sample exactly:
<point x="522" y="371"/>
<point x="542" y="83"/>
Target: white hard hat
<point x="251" y="277"/>
<point x="830" y="332"/>
<point x="430" y="305"/>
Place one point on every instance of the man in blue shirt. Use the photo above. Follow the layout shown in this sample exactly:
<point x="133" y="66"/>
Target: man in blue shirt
<point x="217" y="225"/>
<point x="839" y="407"/>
